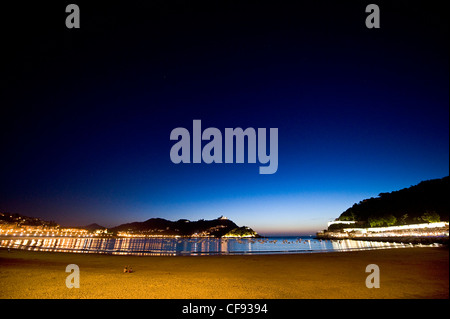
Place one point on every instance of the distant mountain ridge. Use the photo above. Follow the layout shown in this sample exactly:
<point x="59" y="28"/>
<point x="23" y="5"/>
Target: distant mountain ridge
<point x="422" y="202"/>
<point x="183" y="227"/>
<point x="92" y="227"/>
<point x="154" y="226"/>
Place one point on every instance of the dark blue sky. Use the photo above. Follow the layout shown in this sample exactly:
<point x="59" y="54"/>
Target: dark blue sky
<point x="86" y="114"/>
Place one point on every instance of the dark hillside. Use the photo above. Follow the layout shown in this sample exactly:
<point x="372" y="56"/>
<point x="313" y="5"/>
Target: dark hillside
<point x="427" y="201"/>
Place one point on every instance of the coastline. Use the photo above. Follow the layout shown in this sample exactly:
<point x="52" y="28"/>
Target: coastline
<point x="415" y="240"/>
<point x="419" y="272"/>
<point x="408" y="240"/>
<point x="196" y="246"/>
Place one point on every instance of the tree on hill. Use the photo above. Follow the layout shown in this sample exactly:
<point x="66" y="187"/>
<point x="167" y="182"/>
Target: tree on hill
<point x="385" y="220"/>
<point x="243" y="231"/>
<point x="431" y="217"/>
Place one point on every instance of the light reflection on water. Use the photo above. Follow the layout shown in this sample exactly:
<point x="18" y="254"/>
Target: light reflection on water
<point x="191" y="246"/>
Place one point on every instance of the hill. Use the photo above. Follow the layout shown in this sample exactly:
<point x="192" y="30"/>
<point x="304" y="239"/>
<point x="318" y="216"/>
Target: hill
<point x="424" y="202"/>
<point x="153" y="226"/>
<point x="22" y="220"/>
<point x="92" y="227"/>
<point x="243" y="231"/>
<point x="183" y="227"/>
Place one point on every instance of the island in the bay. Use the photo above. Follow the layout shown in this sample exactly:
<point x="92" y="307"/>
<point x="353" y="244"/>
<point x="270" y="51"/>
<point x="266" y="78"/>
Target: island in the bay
<point x="20" y="225"/>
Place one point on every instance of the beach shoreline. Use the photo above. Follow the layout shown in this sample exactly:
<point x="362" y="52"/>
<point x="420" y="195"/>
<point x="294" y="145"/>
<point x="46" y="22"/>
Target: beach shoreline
<point x="419" y="272"/>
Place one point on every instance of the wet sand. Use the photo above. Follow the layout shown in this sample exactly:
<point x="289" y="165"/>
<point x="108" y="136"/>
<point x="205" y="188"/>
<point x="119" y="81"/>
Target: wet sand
<point x="404" y="273"/>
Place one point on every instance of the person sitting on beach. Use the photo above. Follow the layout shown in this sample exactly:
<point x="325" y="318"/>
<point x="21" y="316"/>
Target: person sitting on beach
<point x="125" y="269"/>
<point x="130" y="270"/>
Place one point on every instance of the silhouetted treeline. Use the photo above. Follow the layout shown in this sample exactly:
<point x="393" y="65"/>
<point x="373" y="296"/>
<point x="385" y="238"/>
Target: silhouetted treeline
<point x="426" y="202"/>
<point x="184" y="227"/>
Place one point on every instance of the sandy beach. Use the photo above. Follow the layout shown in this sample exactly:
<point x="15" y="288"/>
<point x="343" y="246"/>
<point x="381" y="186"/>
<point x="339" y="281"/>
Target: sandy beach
<point x="404" y="273"/>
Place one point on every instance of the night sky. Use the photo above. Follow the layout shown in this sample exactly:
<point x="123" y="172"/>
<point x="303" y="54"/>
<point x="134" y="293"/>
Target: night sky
<point x="86" y="114"/>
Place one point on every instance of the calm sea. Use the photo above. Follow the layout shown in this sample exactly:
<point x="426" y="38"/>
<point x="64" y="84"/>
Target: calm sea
<point x="190" y="246"/>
